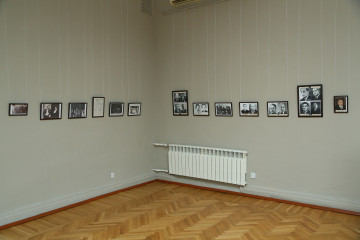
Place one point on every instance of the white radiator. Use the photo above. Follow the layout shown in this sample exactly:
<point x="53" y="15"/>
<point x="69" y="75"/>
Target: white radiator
<point x="222" y="165"/>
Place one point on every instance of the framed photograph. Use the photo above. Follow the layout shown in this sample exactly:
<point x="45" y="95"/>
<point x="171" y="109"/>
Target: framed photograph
<point x="116" y="109"/>
<point x="180" y="103"/>
<point x="223" y="109"/>
<point x="50" y="111"/>
<point x="77" y="110"/>
<point x="310" y="100"/>
<point x="201" y="108"/>
<point x="249" y="109"/>
<point x="18" y="109"/>
<point x="341" y="104"/>
<point x="98" y="105"/>
<point x="134" y="109"/>
<point x="278" y="109"/>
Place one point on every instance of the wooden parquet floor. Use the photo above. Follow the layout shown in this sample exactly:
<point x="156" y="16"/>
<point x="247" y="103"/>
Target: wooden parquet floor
<point x="167" y="211"/>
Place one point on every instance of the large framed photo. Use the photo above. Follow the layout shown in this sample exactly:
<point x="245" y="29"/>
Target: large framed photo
<point x="310" y="100"/>
<point x="134" y="109"/>
<point x="341" y="104"/>
<point x="116" y="109"/>
<point x="98" y="105"/>
<point x="18" y="109"/>
<point x="223" y="109"/>
<point x="249" y="109"/>
<point x="180" y="103"/>
<point x="50" y="111"/>
<point x="278" y="109"/>
<point x="77" y="110"/>
<point x="201" y="108"/>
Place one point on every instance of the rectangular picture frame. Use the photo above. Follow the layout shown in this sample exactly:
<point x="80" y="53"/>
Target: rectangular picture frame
<point x="50" y="111"/>
<point x="116" y="109"/>
<point x="341" y="104"/>
<point x="310" y="100"/>
<point x="134" y="109"/>
<point x="180" y="103"/>
<point x="77" y="110"/>
<point x="223" y="109"/>
<point x="249" y="109"/>
<point x="278" y="109"/>
<point x="201" y="109"/>
<point x="18" y="109"/>
<point x="98" y="106"/>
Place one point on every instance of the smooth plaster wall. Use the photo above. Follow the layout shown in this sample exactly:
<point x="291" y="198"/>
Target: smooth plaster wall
<point x="70" y="51"/>
<point x="235" y="51"/>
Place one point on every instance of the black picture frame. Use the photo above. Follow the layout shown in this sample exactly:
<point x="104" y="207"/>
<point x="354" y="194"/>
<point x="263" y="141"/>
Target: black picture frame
<point x="116" y="109"/>
<point x="310" y="100"/>
<point x="18" y="109"/>
<point x="77" y="110"/>
<point x="201" y="109"/>
<point x="50" y="111"/>
<point x="223" y="109"/>
<point x="134" y="109"/>
<point x="98" y="106"/>
<point x="278" y="109"/>
<point x="180" y="103"/>
<point x="341" y="104"/>
<point x="249" y="109"/>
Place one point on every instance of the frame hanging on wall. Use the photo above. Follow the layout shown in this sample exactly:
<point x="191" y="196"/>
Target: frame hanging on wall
<point x="249" y="109"/>
<point x="77" y="110"/>
<point x="116" y="109"/>
<point x="278" y="109"/>
<point x="310" y="100"/>
<point x="134" y="109"/>
<point x="98" y="105"/>
<point x="18" y="109"/>
<point x="223" y="109"/>
<point x="341" y="104"/>
<point x="50" y="111"/>
<point x="201" y="108"/>
<point x="180" y="103"/>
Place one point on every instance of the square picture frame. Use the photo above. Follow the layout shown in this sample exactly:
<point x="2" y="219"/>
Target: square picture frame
<point x="50" y="111"/>
<point x="278" y="109"/>
<point x="341" y="104"/>
<point x="223" y="109"/>
<point x="249" y="109"/>
<point x="310" y="100"/>
<point x="134" y="109"/>
<point x="77" y="110"/>
<point x="180" y="103"/>
<point x="98" y="106"/>
<point x="201" y="109"/>
<point x="116" y="109"/>
<point x="18" y="109"/>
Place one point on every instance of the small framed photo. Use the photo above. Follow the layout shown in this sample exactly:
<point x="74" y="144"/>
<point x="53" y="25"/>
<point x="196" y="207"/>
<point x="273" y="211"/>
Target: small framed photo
<point x="50" y="111"/>
<point x="180" y="103"/>
<point x="310" y="100"/>
<point x="98" y="105"/>
<point x="278" y="109"/>
<point x="223" y="109"/>
<point x="134" y="109"/>
<point x="18" y="109"/>
<point x="201" y="108"/>
<point x="341" y="104"/>
<point x="116" y="109"/>
<point x="77" y="110"/>
<point x="249" y="109"/>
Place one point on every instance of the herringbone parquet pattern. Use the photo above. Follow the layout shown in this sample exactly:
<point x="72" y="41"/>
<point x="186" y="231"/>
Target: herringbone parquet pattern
<point x="167" y="211"/>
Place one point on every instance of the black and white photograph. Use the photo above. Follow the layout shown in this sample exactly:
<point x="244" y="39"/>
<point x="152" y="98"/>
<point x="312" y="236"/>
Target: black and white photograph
<point x="201" y="108"/>
<point x="77" y="110"/>
<point x="134" y="109"/>
<point x="341" y="104"/>
<point x="249" y="109"/>
<point x="180" y="103"/>
<point x="50" y="111"/>
<point x="310" y="100"/>
<point x="278" y="109"/>
<point x="116" y="109"/>
<point x="98" y="105"/>
<point x="223" y="109"/>
<point x="18" y="109"/>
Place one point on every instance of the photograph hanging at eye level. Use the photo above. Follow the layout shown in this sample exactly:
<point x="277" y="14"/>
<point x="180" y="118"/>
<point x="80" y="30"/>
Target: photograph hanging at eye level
<point x="98" y="105"/>
<point x="249" y="109"/>
<point x="223" y="109"/>
<point x="116" y="109"/>
<point x="201" y="108"/>
<point x="278" y="109"/>
<point x="180" y="103"/>
<point x="310" y="100"/>
<point x="341" y="104"/>
<point x="18" y="109"/>
<point x="50" y="111"/>
<point x="134" y="109"/>
<point x="77" y="110"/>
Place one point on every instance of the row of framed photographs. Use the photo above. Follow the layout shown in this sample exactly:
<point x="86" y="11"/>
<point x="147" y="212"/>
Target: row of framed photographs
<point x="51" y="111"/>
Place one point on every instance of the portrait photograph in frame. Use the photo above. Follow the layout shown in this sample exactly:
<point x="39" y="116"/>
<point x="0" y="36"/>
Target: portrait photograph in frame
<point x="180" y="103"/>
<point x="249" y="109"/>
<point x="310" y="100"/>
<point x="50" y="111"/>
<point x="77" y="110"/>
<point x="116" y="109"/>
<point x="278" y="108"/>
<point x="18" y="109"/>
<point x="201" y="109"/>
<point x="223" y="109"/>
<point x="341" y="104"/>
<point x="134" y="109"/>
<point x="98" y="105"/>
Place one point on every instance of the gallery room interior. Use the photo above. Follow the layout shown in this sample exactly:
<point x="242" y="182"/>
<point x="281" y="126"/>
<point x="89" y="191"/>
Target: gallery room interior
<point x="139" y="52"/>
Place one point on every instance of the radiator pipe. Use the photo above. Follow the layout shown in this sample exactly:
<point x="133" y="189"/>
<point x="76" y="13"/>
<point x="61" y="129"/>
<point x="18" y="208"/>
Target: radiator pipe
<point x="160" y="170"/>
<point x="161" y="145"/>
